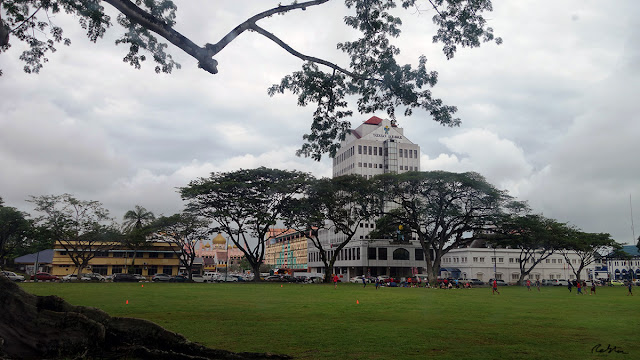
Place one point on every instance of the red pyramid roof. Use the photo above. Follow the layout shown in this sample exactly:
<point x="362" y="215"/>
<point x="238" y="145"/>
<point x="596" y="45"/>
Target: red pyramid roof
<point x="374" y="120"/>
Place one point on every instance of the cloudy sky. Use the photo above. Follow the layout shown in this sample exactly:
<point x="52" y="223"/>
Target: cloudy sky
<point x="550" y="115"/>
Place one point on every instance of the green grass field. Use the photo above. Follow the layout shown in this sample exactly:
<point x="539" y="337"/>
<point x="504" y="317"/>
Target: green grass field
<point x="318" y="322"/>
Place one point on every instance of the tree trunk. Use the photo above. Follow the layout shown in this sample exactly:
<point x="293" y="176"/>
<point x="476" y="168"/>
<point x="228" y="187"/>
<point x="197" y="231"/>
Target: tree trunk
<point x="256" y="272"/>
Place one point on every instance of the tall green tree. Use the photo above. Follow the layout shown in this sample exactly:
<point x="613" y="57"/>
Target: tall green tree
<point x="536" y="236"/>
<point x="336" y="206"/>
<point x="441" y="208"/>
<point x="80" y="227"/>
<point x="587" y="247"/>
<point x="182" y="231"/>
<point x="136" y="230"/>
<point x="373" y="78"/>
<point x="244" y="205"/>
<point x="15" y="231"/>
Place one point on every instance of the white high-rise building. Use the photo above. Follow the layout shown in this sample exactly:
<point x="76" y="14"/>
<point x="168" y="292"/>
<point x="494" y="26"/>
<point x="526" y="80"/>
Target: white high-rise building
<point x="375" y="147"/>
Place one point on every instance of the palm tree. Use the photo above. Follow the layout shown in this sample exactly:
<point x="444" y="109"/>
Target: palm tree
<point x="134" y="227"/>
<point x="136" y="219"/>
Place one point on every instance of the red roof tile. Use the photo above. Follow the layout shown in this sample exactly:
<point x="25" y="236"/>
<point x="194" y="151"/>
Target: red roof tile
<point x="374" y="120"/>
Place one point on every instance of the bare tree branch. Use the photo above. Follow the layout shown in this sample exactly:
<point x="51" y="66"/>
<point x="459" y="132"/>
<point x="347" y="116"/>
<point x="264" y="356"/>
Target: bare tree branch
<point x="217" y="47"/>
<point x="139" y="16"/>
<point x="304" y="57"/>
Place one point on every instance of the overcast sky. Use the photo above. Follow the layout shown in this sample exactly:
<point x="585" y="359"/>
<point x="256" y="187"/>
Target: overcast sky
<point x="550" y="115"/>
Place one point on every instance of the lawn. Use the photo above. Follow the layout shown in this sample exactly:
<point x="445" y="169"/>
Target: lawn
<point x="318" y="322"/>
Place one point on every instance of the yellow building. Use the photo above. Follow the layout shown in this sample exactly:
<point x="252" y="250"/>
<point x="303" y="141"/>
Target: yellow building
<point x="287" y="250"/>
<point x="156" y="257"/>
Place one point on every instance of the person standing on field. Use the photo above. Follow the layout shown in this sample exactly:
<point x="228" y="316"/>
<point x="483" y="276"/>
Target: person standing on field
<point x="495" y="288"/>
<point x="335" y="281"/>
<point x="630" y="286"/>
<point x="528" y="285"/>
<point x="538" y="284"/>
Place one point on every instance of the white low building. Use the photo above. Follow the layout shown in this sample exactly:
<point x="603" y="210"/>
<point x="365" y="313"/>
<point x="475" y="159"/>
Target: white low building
<point x="487" y="263"/>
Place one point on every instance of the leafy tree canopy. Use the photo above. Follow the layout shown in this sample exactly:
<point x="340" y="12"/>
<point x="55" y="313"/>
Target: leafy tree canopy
<point x="245" y="205"/>
<point x="373" y="76"/>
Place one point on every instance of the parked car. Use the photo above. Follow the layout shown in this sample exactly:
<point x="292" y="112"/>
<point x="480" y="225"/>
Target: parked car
<point x="356" y="280"/>
<point x="124" y="278"/>
<point x="43" y="276"/>
<point x="476" y="282"/>
<point x="273" y="278"/>
<point x="93" y="277"/>
<point x="13" y="276"/>
<point x="561" y="282"/>
<point x="69" y="278"/>
<point x="179" y="278"/>
<point x="500" y="282"/>
<point x="229" y="278"/>
<point x="616" y="283"/>
<point x="160" y="277"/>
<point x="212" y="277"/>
<point x="198" y="278"/>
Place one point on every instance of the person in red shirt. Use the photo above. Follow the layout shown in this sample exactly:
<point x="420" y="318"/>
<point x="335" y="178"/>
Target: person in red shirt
<point x="529" y="285"/>
<point x="495" y="288"/>
<point x="335" y="281"/>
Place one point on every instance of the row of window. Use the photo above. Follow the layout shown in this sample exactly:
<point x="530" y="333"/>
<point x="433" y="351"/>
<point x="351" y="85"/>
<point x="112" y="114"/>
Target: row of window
<point x="343" y="156"/>
<point x="379" y="166"/>
<point x="377" y="151"/>
<point x="373" y="254"/>
<point x="500" y="260"/>
<point x="129" y="254"/>
<point x="344" y="254"/>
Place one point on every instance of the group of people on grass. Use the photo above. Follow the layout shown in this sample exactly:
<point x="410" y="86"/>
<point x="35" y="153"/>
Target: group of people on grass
<point x="446" y="284"/>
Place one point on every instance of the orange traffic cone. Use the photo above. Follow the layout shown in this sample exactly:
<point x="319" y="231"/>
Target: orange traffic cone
<point x="357" y="302"/>
<point x="142" y="285"/>
<point x="127" y="302"/>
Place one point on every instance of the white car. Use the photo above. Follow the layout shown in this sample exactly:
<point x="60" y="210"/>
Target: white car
<point x="212" y="277"/>
<point x="356" y="280"/>
<point x="198" y="278"/>
<point x="229" y="278"/>
<point x="13" y="276"/>
<point x="70" y="277"/>
<point x="92" y="277"/>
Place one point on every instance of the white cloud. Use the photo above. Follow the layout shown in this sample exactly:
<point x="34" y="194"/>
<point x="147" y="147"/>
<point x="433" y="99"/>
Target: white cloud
<point x="499" y="160"/>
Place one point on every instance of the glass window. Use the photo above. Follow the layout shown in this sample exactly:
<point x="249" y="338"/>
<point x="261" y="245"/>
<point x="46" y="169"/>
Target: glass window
<point x="405" y="153"/>
<point x="400" y="254"/>
<point x="375" y="150"/>
<point x="167" y="270"/>
<point x="359" y="149"/>
<point x="153" y="255"/>
<point x="168" y="256"/>
<point x="370" y="150"/>
<point x="419" y="254"/>
<point x="371" y="254"/>
<point x="382" y="253"/>
<point x="400" y="151"/>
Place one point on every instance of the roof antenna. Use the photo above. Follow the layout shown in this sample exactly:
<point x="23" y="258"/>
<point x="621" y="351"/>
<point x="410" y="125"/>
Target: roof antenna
<point x="633" y="231"/>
